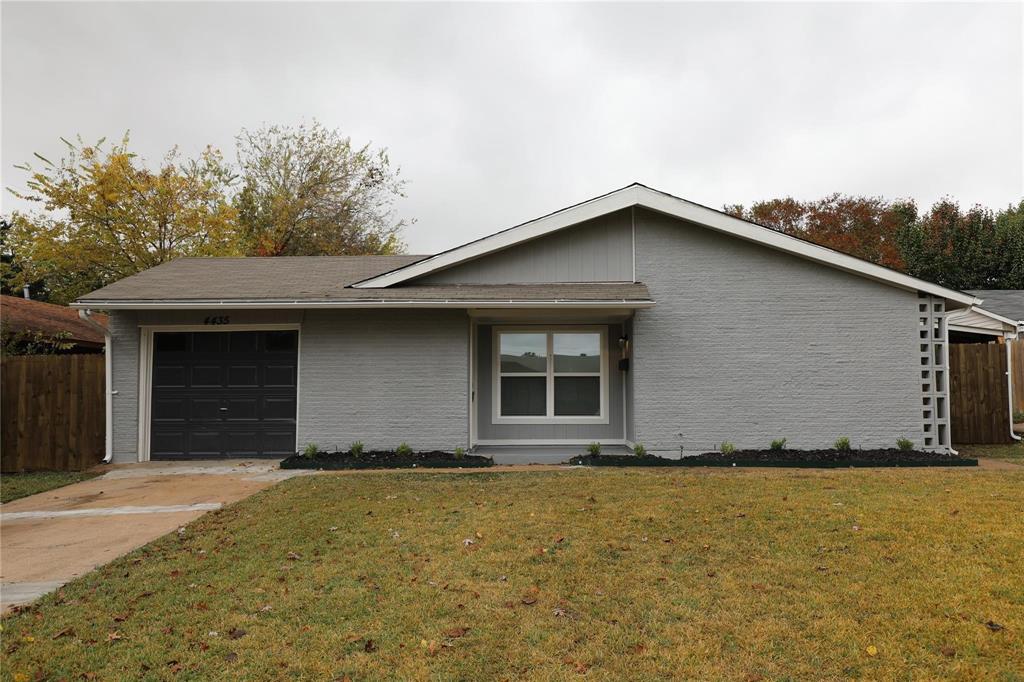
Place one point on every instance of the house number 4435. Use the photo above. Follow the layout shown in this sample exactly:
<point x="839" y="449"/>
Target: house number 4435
<point x="217" y="319"/>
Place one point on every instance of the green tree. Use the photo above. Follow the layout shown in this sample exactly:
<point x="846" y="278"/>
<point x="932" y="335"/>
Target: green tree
<point x="104" y="215"/>
<point x="972" y="249"/>
<point x="307" y="191"/>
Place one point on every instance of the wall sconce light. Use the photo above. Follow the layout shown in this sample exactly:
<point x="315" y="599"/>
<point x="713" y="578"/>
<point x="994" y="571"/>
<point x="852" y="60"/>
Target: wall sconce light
<point x="624" y="348"/>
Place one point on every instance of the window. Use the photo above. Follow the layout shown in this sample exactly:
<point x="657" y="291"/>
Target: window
<point x="550" y="375"/>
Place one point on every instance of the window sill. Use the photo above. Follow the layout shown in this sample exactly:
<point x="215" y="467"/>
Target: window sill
<point x="550" y="420"/>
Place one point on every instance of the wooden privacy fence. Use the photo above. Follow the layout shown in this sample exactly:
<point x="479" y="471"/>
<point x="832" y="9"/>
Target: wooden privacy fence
<point x="979" y="402"/>
<point x="51" y="411"/>
<point x="1017" y="370"/>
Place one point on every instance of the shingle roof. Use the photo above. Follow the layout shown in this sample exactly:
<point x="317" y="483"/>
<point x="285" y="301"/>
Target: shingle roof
<point x="22" y="314"/>
<point x="1006" y="302"/>
<point x="326" y="279"/>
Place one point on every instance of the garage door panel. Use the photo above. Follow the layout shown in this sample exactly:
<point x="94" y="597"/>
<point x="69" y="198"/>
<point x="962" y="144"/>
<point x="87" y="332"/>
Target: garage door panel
<point x="204" y="409"/>
<point x="207" y="375"/>
<point x="170" y="375"/>
<point x="243" y="375"/>
<point x="242" y="408"/>
<point x="206" y="443"/>
<point x="220" y="394"/>
<point x="170" y="409"/>
<point x="280" y="375"/>
<point x="165" y="442"/>
<point x="279" y="408"/>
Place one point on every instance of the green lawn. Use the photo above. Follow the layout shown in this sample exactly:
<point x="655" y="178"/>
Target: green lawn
<point x="641" y="574"/>
<point x="13" y="486"/>
<point x="1009" y="453"/>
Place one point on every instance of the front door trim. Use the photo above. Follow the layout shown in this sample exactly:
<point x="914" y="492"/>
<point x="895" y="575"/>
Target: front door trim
<point x="146" y="332"/>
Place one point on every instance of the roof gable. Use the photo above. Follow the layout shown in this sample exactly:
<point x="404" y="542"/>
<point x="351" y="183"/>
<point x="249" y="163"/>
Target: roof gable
<point x="640" y="195"/>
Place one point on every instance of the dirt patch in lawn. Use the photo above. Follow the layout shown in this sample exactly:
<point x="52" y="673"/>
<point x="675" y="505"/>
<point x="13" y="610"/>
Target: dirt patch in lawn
<point x="828" y="459"/>
<point x="385" y="459"/>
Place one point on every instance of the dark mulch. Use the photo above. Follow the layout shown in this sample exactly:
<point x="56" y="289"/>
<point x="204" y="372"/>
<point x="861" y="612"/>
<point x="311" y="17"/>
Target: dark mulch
<point x="787" y="458"/>
<point x="385" y="459"/>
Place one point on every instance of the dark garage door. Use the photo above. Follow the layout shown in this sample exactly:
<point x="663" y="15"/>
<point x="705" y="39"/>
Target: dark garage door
<point x="223" y="394"/>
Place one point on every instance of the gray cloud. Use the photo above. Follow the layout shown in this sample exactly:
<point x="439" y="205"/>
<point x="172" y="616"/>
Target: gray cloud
<point x="499" y="113"/>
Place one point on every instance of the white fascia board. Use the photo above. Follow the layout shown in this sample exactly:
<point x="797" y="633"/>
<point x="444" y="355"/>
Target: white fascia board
<point x="274" y="305"/>
<point x="638" y="195"/>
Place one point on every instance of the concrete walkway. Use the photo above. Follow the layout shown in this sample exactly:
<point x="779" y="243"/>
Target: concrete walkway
<point x="55" y="536"/>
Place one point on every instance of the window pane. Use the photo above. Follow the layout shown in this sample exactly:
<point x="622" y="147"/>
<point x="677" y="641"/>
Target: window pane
<point x="577" y="396"/>
<point x="577" y="352"/>
<point x="523" y="396"/>
<point x="524" y="353"/>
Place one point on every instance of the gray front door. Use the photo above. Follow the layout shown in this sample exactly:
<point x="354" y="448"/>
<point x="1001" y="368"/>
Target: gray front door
<point x="224" y="394"/>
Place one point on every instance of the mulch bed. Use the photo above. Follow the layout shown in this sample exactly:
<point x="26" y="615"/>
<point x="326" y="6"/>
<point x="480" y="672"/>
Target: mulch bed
<point x="385" y="459"/>
<point x="829" y="459"/>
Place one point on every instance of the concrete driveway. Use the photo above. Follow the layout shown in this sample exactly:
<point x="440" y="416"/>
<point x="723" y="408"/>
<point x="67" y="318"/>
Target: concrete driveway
<point x="51" y="538"/>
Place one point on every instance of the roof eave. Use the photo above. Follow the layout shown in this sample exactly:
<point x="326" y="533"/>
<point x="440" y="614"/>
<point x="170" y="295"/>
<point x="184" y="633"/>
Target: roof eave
<point x="645" y="197"/>
<point x="369" y="303"/>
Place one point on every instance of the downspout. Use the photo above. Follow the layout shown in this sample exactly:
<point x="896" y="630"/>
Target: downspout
<point x="108" y="374"/>
<point x="1009" y="385"/>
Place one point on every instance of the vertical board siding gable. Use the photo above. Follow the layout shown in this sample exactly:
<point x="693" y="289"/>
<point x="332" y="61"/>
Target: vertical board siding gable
<point x="598" y="250"/>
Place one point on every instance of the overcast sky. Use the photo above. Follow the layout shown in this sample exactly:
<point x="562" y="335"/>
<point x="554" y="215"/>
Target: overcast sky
<point x="500" y="113"/>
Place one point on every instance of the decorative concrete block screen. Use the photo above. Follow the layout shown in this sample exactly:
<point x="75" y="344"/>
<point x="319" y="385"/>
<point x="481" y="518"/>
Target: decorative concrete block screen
<point x="934" y="357"/>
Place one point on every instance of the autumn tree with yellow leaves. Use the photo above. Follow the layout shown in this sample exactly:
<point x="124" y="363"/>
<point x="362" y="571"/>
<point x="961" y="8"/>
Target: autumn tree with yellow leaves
<point x="103" y="215"/>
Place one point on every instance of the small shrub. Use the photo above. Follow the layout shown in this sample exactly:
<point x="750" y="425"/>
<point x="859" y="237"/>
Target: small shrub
<point x="357" y="448"/>
<point x="842" y="444"/>
<point x="460" y="453"/>
<point x="594" y="448"/>
<point x="403" y="450"/>
<point x="727" y="448"/>
<point x="778" y="444"/>
<point x="311" y="450"/>
<point x="904" y="444"/>
<point x="1018" y="416"/>
<point x="639" y="450"/>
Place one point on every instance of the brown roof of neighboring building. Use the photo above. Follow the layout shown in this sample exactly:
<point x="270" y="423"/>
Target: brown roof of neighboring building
<point x="22" y="314"/>
<point x="326" y="279"/>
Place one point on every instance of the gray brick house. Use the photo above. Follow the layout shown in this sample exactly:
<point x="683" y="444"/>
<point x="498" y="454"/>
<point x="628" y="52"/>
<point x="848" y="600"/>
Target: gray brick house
<point x="634" y="317"/>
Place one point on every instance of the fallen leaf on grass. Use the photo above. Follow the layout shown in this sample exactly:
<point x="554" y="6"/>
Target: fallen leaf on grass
<point x="636" y="649"/>
<point x="529" y="600"/>
<point x="753" y="677"/>
<point x="455" y="633"/>
<point x="872" y="650"/>
<point x="114" y="636"/>
<point x="994" y="626"/>
<point x="66" y="632"/>
<point x="948" y="651"/>
<point x="236" y="633"/>
<point x="294" y="556"/>
<point x="370" y="646"/>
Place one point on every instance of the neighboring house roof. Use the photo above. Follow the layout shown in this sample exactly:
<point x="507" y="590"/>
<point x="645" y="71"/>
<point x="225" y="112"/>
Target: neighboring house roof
<point x="323" y="280"/>
<point x="1006" y="302"/>
<point x="22" y="314"/>
<point x="645" y="197"/>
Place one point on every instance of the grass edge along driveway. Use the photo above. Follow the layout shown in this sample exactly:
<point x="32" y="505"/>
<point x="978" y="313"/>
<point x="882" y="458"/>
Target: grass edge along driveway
<point x="610" y="574"/>
<point x="19" y="485"/>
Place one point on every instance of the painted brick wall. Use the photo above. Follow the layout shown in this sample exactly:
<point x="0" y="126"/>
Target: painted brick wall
<point x="125" y="378"/>
<point x="748" y="344"/>
<point x="383" y="377"/>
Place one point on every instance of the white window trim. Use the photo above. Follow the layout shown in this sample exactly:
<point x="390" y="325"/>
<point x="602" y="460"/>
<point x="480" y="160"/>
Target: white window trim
<point x="549" y="330"/>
